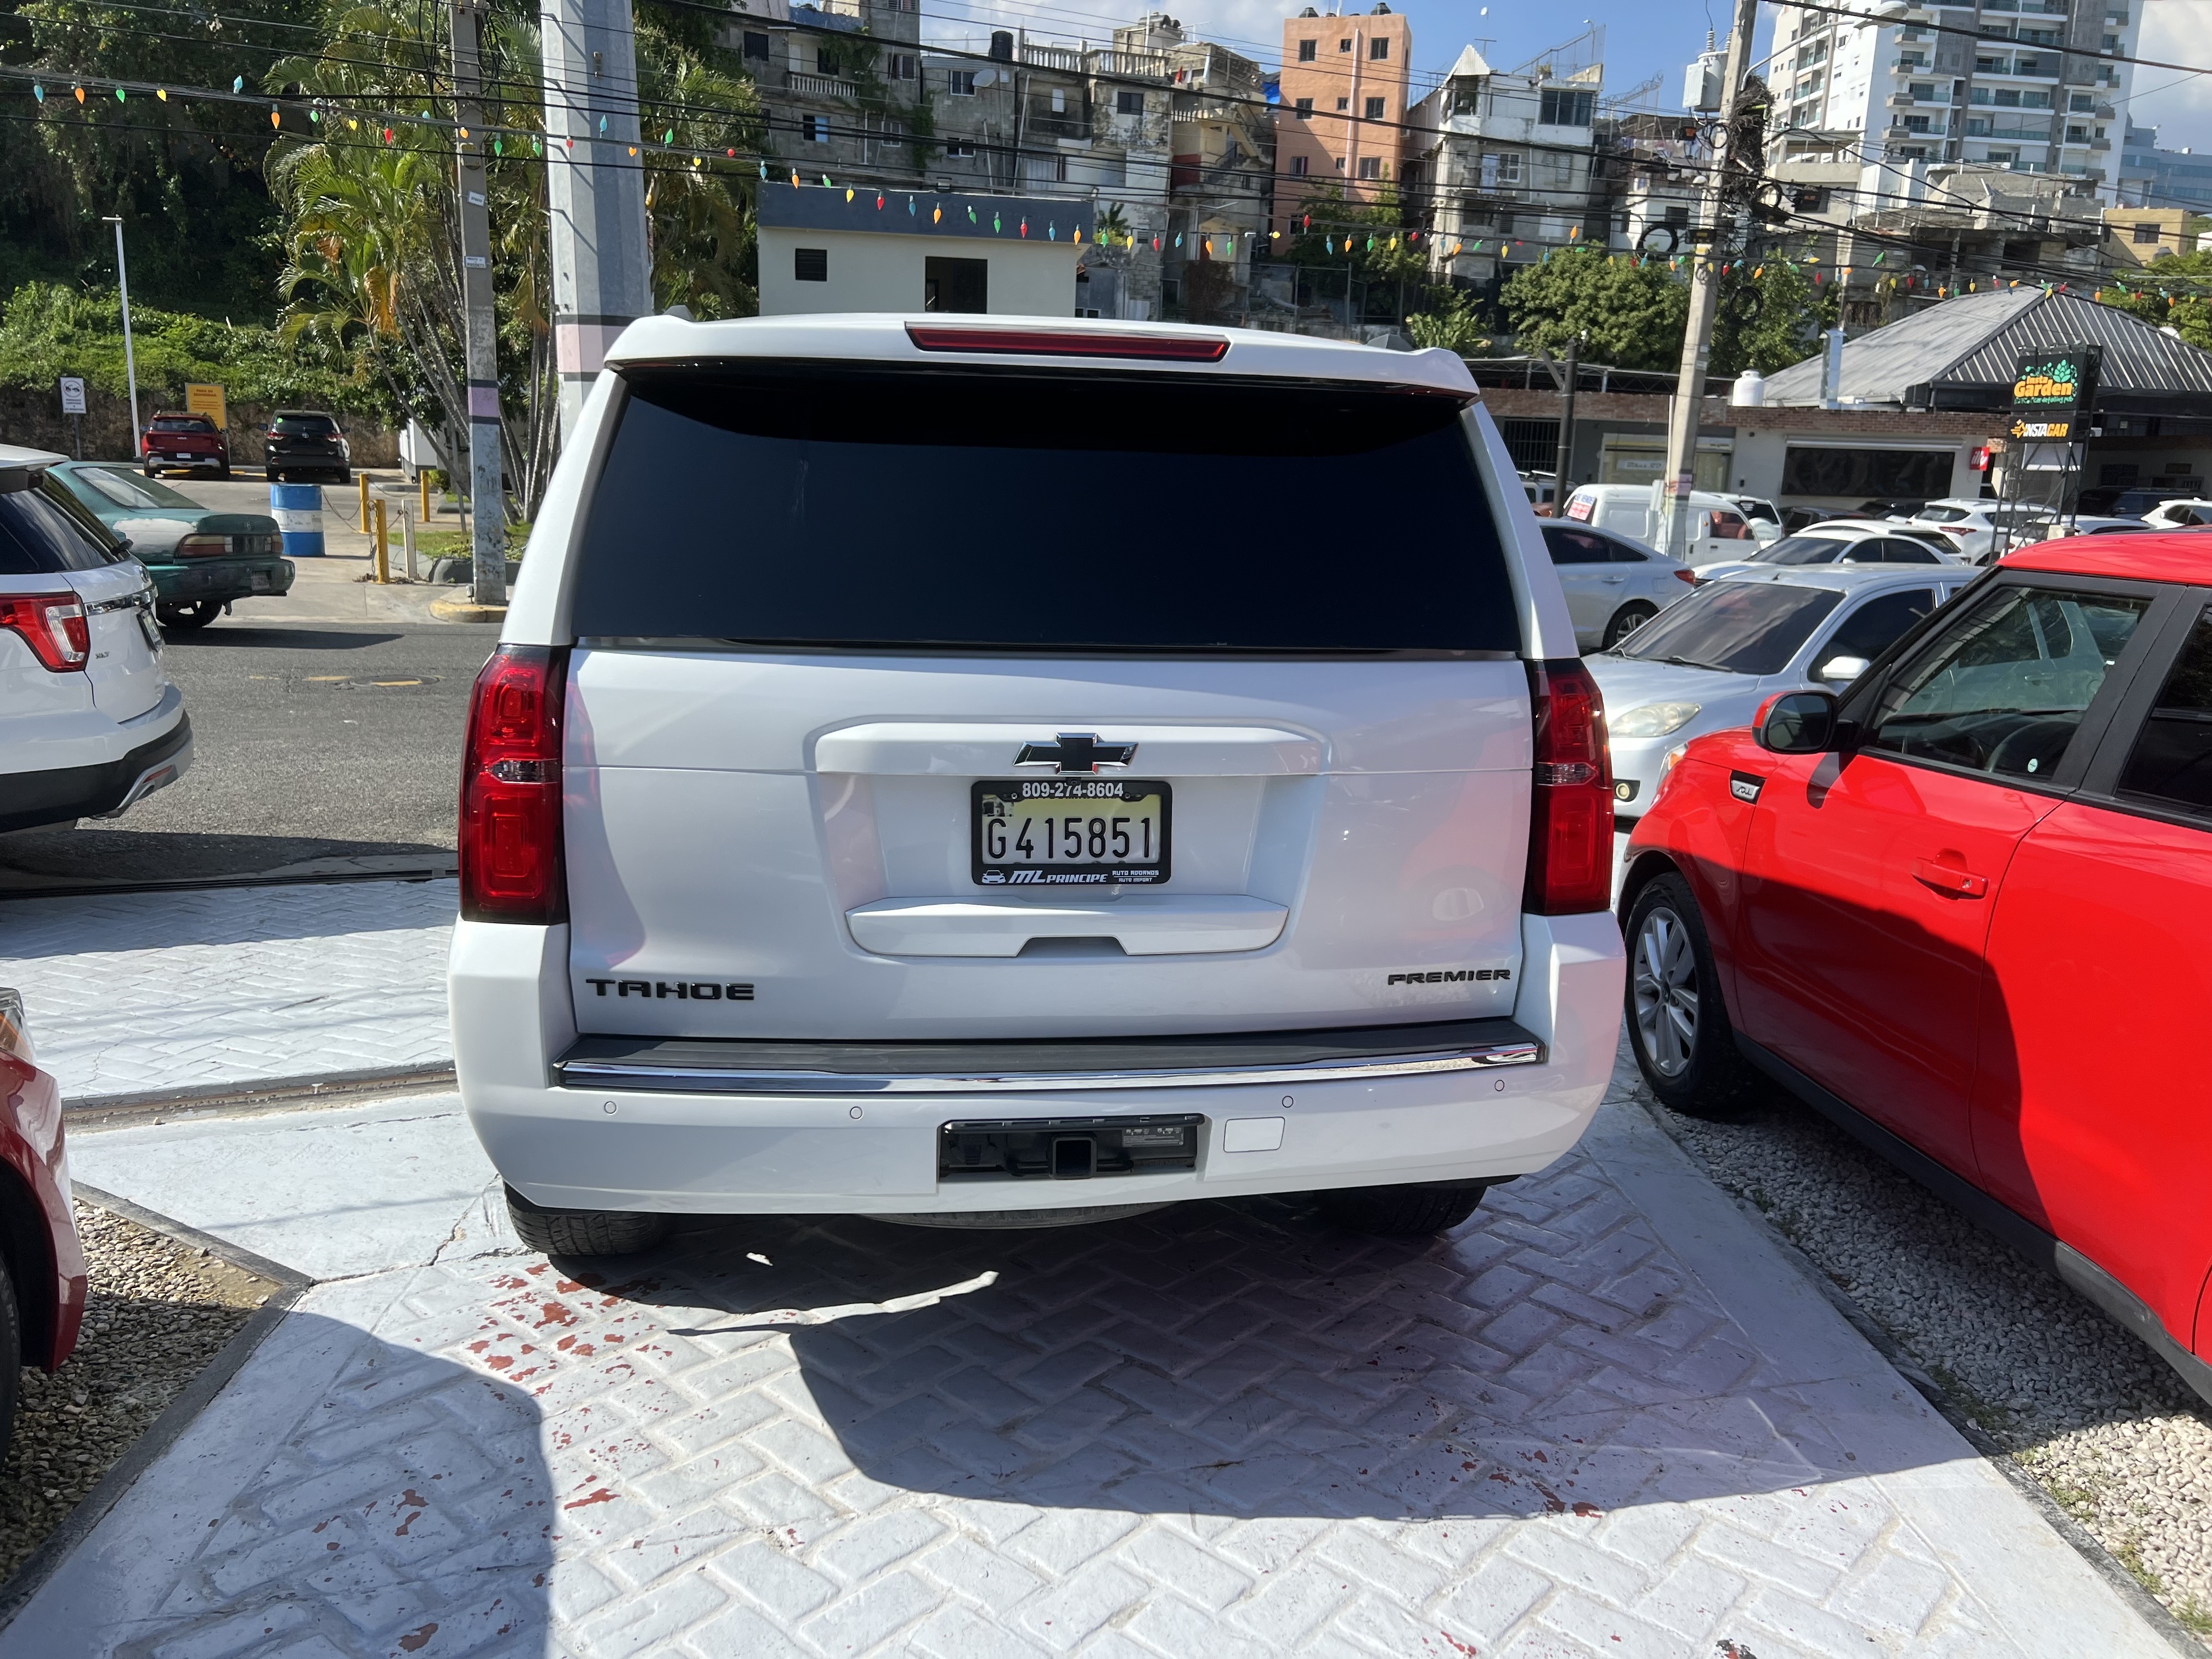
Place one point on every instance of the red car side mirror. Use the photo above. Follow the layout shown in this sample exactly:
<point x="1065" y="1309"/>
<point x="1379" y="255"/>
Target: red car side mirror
<point x="1797" y="722"/>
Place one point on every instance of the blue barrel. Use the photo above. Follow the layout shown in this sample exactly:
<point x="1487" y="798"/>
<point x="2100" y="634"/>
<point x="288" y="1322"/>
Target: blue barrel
<point x="298" y="510"/>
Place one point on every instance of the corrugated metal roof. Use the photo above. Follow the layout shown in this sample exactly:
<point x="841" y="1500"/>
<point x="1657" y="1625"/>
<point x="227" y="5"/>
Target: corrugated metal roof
<point x="1878" y="366"/>
<point x="2138" y="356"/>
<point x="1977" y="339"/>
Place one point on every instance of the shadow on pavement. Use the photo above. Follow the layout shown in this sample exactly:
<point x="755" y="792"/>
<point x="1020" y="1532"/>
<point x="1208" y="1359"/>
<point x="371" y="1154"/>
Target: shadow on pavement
<point x="34" y="861"/>
<point x="1246" y="1357"/>
<point x="239" y="632"/>
<point x="343" y="1495"/>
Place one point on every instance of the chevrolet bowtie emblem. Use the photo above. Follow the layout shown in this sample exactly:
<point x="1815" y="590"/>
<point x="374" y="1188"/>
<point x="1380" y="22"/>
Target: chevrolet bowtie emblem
<point x="1076" y="751"/>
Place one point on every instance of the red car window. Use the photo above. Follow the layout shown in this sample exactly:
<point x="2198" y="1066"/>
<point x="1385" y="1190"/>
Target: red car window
<point x="2004" y="691"/>
<point x="2172" y="763"/>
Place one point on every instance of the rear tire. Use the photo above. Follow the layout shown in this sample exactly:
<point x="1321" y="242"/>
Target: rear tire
<point x="1626" y="620"/>
<point x="583" y="1232"/>
<point x="1399" y="1212"/>
<point x="223" y="471"/>
<point x="188" y="618"/>
<point x="1678" y="1026"/>
<point x="11" y="1359"/>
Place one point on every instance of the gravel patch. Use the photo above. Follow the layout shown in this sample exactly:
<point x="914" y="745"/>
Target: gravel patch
<point x="158" y="1312"/>
<point x="2102" y="1423"/>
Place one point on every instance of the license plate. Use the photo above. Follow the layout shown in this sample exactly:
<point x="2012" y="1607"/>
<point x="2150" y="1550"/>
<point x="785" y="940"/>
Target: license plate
<point x="1070" y="832"/>
<point x="260" y="580"/>
<point x="150" y="632"/>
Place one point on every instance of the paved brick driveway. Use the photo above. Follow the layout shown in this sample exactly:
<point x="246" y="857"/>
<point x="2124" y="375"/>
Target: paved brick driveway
<point x="1602" y="1418"/>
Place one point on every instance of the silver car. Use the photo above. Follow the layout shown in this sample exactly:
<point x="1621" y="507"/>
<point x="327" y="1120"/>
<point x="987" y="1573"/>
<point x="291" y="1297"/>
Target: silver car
<point x="1613" y="584"/>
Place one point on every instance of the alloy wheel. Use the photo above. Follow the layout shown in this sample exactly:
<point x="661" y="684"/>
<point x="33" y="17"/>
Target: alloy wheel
<point x="1666" y="991"/>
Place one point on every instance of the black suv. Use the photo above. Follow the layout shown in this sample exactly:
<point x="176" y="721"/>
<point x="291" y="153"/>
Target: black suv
<point x="305" y="440"/>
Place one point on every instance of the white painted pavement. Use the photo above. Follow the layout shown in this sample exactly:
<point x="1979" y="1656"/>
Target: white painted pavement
<point x="131" y="993"/>
<point x="1602" y="1418"/>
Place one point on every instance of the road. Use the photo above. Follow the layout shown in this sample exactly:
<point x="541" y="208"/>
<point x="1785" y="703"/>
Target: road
<point x="324" y="735"/>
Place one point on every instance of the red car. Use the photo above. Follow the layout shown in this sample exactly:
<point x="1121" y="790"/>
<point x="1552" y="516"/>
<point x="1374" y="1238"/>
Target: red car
<point x="1963" y="909"/>
<point x="42" y="1292"/>
<point x="184" y="442"/>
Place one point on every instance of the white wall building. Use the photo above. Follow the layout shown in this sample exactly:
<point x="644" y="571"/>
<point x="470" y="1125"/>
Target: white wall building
<point x="2019" y="85"/>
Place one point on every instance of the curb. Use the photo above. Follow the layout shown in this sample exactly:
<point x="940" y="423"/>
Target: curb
<point x="286" y="1287"/>
<point x="262" y="1095"/>
<point x="467" y="610"/>
<point x="2146" y="1607"/>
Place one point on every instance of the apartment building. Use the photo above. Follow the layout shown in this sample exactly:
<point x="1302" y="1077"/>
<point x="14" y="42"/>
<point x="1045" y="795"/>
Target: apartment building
<point x="2021" y="84"/>
<point x="2153" y="177"/>
<point x="1164" y="139"/>
<point x="1505" y="161"/>
<point x="1346" y="80"/>
<point x="839" y="83"/>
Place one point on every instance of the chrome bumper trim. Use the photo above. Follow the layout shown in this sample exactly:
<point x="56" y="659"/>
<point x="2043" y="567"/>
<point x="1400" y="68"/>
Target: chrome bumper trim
<point x="688" y="1080"/>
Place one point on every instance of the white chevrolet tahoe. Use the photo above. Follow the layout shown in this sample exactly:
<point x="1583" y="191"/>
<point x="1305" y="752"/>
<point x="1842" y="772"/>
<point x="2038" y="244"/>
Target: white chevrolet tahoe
<point x="1008" y="772"/>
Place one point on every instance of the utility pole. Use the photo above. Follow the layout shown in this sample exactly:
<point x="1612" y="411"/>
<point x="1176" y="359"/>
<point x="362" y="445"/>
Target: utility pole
<point x="130" y="363"/>
<point x="1559" y="484"/>
<point x="1717" y="214"/>
<point x="595" y="189"/>
<point x="489" y="516"/>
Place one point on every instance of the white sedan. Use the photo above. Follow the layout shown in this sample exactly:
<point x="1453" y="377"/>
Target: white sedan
<point x="1708" y="663"/>
<point x="1613" y="584"/>
<point x="1839" y="541"/>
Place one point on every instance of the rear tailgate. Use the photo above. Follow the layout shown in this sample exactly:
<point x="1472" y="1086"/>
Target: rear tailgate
<point x="896" y="713"/>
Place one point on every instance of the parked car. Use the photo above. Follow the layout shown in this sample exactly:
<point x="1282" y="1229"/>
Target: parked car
<point x="89" y="722"/>
<point x="1960" y="909"/>
<point x="2181" y="513"/>
<point x="1719" y="528"/>
<point x="1614" y="585"/>
<point x="193" y="442"/>
<point x="815" y="862"/>
<point x="44" y="1284"/>
<point x="2129" y="501"/>
<point x="42" y="1291"/>
<point x="1972" y="525"/>
<point x="1886" y="508"/>
<point x="1795" y="518"/>
<point x="201" y="561"/>
<point x="305" y="440"/>
<point x="1839" y="541"/>
<point x="1710" y="661"/>
<point x="1759" y="510"/>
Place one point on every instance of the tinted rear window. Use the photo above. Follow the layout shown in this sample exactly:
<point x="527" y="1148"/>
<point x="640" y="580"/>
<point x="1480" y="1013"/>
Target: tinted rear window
<point x="183" y="423"/>
<point x="306" y="426"/>
<point x="44" y="531"/>
<point x="809" y="505"/>
<point x="1740" y="627"/>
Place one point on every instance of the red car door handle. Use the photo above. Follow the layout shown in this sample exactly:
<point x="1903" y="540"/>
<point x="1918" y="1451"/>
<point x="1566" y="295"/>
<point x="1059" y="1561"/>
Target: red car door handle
<point x="1946" y="878"/>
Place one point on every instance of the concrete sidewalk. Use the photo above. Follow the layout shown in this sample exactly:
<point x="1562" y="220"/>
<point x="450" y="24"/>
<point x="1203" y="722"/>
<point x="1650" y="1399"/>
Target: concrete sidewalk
<point x="131" y="994"/>
<point x="1604" y="1417"/>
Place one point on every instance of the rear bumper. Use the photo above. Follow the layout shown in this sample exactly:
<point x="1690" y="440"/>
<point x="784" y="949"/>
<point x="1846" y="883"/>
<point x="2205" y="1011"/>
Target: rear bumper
<point x="64" y="794"/>
<point x="221" y="579"/>
<point x="607" y="1126"/>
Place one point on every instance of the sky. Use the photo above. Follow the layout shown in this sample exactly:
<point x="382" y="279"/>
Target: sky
<point x="1641" y="39"/>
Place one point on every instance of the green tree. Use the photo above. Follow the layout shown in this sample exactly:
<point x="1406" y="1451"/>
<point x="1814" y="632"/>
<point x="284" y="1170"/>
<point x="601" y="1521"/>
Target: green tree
<point x="1328" y="228"/>
<point x="1629" y="315"/>
<point x="2176" y="293"/>
<point x="1768" y="317"/>
<point x="1450" y="321"/>
<point x="185" y="175"/>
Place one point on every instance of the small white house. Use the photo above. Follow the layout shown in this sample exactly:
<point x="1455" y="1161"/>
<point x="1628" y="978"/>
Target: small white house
<point x="861" y="248"/>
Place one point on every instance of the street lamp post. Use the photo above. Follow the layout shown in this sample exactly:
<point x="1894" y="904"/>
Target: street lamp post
<point x="130" y="363"/>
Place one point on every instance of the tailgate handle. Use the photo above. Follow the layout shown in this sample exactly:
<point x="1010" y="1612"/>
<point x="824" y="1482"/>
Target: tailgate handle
<point x="1948" y="878"/>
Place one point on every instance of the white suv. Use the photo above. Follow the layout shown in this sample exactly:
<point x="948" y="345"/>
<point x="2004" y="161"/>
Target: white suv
<point x="977" y="771"/>
<point x="89" y="721"/>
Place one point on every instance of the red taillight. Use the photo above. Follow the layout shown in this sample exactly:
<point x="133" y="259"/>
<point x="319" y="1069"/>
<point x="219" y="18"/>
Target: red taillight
<point x="1571" y="814"/>
<point x="1686" y="574"/>
<point x="1069" y="342"/>
<point x="510" y="863"/>
<point x="54" y="625"/>
<point x="203" y="547"/>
